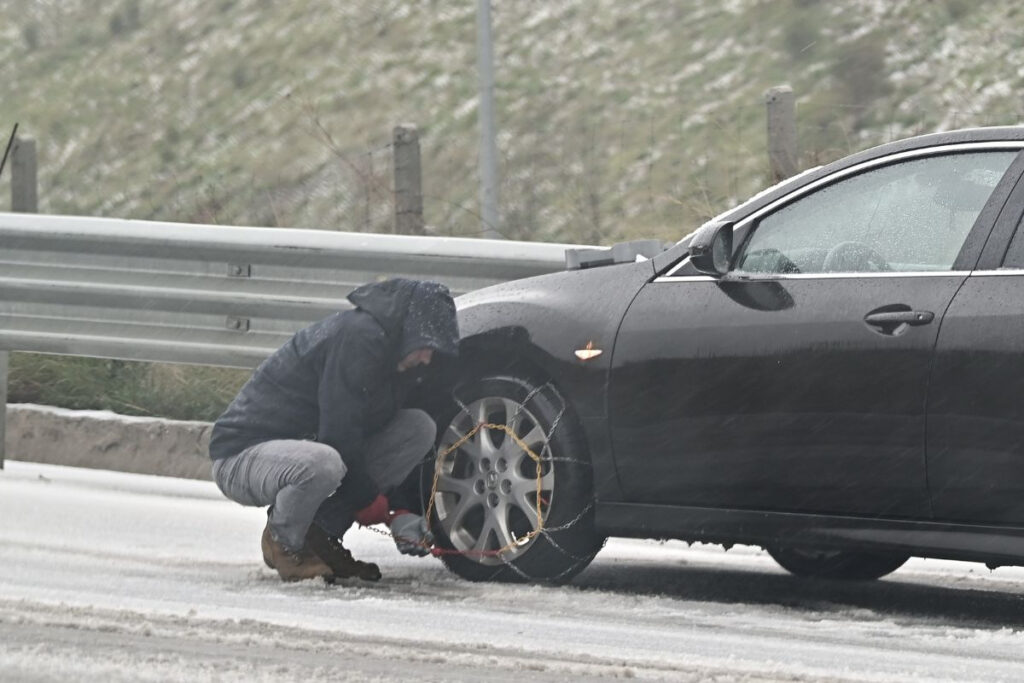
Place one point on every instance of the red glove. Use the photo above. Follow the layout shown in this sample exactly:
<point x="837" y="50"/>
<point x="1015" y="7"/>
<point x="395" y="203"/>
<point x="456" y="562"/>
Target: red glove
<point x="377" y="512"/>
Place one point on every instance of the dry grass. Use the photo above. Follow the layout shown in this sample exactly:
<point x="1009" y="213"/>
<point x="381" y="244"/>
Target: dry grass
<point x="181" y="392"/>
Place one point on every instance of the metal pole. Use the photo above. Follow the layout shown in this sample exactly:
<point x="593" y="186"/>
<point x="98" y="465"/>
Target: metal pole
<point x="3" y="405"/>
<point x="488" y="146"/>
<point x="24" y="196"/>
<point x="781" y="104"/>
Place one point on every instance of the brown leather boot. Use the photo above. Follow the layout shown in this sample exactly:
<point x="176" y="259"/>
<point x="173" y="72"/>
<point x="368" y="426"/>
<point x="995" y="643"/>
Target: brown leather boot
<point x="338" y="558"/>
<point x="292" y="566"/>
<point x="265" y="545"/>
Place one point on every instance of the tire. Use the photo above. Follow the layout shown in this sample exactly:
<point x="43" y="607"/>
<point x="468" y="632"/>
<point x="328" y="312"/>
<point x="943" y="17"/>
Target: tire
<point x="836" y="564"/>
<point x="486" y="495"/>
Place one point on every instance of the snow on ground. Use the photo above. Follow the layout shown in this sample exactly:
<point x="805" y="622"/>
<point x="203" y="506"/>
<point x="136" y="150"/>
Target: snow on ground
<point x="111" y="576"/>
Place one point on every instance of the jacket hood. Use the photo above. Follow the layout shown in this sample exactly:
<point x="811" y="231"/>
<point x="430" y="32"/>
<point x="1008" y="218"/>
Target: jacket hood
<point x="416" y="314"/>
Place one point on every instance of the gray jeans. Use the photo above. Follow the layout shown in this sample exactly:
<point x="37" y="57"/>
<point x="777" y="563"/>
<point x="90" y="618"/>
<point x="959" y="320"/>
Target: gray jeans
<point x="297" y="476"/>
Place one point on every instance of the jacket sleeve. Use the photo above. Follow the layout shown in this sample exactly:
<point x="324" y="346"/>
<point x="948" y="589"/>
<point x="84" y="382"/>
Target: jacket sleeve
<point x="350" y="368"/>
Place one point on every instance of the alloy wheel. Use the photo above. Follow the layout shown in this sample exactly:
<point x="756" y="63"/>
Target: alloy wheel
<point x="486" y="498"/>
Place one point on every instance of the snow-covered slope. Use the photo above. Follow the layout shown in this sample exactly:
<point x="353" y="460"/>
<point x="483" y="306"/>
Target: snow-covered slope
<point x="616" y="119"/>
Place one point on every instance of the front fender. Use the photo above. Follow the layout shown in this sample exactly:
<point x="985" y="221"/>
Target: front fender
<point x="543" y="321"/>
<point x="547" y="318"/>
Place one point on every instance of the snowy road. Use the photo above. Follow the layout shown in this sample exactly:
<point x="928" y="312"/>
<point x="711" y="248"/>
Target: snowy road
<point x="108" y="576"/>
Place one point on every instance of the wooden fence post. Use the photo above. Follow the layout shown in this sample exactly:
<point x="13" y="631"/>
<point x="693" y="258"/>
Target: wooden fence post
<point x="24" y="199"/>
<point x="24" y="195"/>
<point x="782" y="153"/>
<point x="408" y="181"/>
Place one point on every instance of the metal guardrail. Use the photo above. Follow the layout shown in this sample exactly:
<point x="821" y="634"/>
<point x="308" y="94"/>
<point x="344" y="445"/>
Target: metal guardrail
<point x="227" y="296"/>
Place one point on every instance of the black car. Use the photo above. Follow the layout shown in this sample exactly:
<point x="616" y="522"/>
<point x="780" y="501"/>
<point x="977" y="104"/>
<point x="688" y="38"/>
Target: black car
<point x="833" y="371"/>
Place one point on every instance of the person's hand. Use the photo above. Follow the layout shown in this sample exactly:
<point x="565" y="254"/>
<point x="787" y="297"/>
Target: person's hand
<point x="412" y="534"/>
<point x="377" y="512"/>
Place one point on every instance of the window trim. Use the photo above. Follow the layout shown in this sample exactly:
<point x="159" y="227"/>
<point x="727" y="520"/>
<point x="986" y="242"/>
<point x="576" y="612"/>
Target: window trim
<point x="842" y="174"/>
<point x="1006" y="271"/>
<point x="759" y="277"/>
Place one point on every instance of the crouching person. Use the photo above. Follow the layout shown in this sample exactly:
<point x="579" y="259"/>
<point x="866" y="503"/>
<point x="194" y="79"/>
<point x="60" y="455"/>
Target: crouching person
<point x="317" y="433"/>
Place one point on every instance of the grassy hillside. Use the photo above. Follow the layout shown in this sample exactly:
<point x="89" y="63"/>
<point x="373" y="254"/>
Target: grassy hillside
<point x="617" y="119"/>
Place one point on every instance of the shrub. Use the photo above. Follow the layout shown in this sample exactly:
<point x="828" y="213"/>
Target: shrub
<point x="240" y="76"/>
<point x="860" y="70"/>
<point x="30" y="34"/>
<point x="958" y="9"/>
<point x="128" y="17"/>
<point x="800" y="34"/>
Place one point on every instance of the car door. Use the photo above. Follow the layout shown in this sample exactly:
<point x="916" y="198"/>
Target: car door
<point x="797" y="382"/>
<point x="976" y="394"/>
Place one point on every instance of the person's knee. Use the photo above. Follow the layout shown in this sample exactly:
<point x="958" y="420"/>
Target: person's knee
<point x="420" y="433"/>
<point x="422" y="429"/>
<point x="324" y="467"/>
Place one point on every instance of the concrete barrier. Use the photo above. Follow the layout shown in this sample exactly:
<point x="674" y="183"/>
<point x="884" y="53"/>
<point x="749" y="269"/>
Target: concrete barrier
<point x="101" y="439"/>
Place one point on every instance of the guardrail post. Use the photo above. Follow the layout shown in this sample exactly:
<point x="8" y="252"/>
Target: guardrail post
<point x="782" y="153"/>
<point x="3" y="405"/>
<point x="408" y="181"/>
<point x="24" y="195"/>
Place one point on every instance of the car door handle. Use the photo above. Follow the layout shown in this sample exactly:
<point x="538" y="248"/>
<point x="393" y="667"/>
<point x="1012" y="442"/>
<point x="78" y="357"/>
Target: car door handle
<point x="895" y="323"/>
<point x="912" y="318"/>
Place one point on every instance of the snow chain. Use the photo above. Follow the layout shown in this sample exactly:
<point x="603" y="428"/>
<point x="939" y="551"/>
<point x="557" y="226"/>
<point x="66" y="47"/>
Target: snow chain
<point x="540" y="528"/>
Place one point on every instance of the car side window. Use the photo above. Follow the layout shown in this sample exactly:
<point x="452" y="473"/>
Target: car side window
<point x="908" y="216"/>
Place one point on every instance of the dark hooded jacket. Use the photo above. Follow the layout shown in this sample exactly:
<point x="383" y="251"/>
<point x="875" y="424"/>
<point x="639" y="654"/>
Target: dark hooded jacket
<point x="336" y="381"/>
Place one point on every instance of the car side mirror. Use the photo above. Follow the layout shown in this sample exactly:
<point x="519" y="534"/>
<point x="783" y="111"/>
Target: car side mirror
<point x="711" y="249"/>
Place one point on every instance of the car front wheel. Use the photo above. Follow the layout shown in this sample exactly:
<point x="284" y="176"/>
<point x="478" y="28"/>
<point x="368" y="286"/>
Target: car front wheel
<point x="512" y="496"/>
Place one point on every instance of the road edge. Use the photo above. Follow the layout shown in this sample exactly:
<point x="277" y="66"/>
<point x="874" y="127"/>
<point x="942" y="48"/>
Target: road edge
<point x="105" y="440"/>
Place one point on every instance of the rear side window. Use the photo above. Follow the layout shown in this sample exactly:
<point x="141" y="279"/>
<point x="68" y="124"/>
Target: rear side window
<point x="909" y="216"/>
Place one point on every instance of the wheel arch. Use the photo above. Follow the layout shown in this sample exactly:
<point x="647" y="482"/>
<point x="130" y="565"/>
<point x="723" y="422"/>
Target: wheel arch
<point x="505" y="350"/>
<point x="509" y="352"/>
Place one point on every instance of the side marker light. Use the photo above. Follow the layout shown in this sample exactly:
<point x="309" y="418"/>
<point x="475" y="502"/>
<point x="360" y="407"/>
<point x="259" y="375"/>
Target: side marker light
<point x="589" y="352"/>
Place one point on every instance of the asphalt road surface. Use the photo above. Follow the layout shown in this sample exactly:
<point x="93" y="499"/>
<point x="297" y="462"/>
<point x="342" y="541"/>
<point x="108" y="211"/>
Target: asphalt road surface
<point x="114" y="577"/>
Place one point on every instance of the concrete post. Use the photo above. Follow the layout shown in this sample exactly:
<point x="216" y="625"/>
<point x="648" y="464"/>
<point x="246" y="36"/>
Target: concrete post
<point x="782" y="152"/>
<point x="408" y="181"/>
<point x="24" y="196"/>
<point x="3" y="405"/>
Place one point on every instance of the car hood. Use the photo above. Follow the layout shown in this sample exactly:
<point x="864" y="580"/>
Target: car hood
<point x="557" y="290"/>
<point x="555" y="313"/>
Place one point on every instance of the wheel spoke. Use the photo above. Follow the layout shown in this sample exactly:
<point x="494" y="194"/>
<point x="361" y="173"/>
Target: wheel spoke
<point x="522" y="486"/>
<point x="485" y="439"/>
<point x="535" y="439"/>
<point x="485" y="535"/>
<point x="547" y="481"/>
<point x="482" y="412"/>
<point x="454" y="432"/>
<point x="525" y="486"/>
<point x="513" y="415"/>
<point x="497" y="521"/>
<point x="462" y="487"/>
<point x="524" y="494"/>
<point x="454" y="522"/>
<point x="529" y="508"/>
